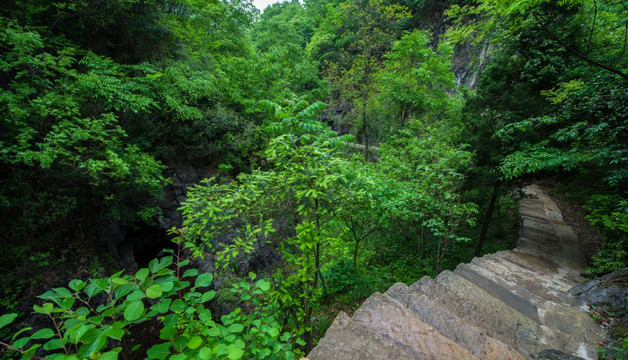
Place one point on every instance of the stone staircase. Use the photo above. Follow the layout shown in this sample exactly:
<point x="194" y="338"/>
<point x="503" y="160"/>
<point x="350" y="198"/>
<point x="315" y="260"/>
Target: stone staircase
<point x="508" y="305"/>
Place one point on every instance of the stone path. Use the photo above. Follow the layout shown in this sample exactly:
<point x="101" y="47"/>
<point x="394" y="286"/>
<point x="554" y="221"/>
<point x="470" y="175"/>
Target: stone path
<point x="508" y="305"/>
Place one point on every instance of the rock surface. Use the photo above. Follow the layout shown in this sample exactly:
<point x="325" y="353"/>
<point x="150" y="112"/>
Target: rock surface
<point x="508" y="305"/>
<point x="609" y="292"/>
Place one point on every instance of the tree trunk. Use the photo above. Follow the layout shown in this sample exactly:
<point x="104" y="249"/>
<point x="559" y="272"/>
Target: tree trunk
<point x="355" y="252"/>
<point x="487" y="220"/>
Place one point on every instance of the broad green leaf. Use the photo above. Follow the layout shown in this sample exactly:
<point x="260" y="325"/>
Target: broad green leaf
<point x="264" y="285"/>
<point x="168" y="333"/>
<point x="220" y="349"/>
<point x="214" y="332"/>
<point x="110" y="355"/>
<point x="171" y="320"/>
<point x="167" y="285"/>
<point x="204" y="354"/>
<point x="162" y="306"/>
<point x="154" y="291"/>
<point x="190" y="273"/>
<point x="159" y="351"/>
<point x="134" y="310"/>
<point x="6" y="319"/>
<point x="195" y="342"/>
<point x="93" y="347"/>
<point x="184" y="263"/>
<point x="20" y="343"/>
<point x="45" y="309"/>
<point x="43" y="334"/>
<point x="92" y="290"/>
<point x="53" y="344"/>
<point x="115" y="333"/>
<point x="178" y="305"/>
<point x="153" y="265"/>
<point x="136" y="295"/>
<point x="235" y="328"/>
<point x="119" y="281"/>
<point x="180" y="343"/>
<point x="207" y="296"/>
<point x="203" y="280"/>
<point x="63" y="292"/>
<point x="142" y="274"/>
<point x="77" y="284"/>
<point x="235" y="354"/>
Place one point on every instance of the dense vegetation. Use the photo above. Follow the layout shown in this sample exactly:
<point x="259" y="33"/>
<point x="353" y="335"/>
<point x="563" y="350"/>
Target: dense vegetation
<point x="355" y="143"/>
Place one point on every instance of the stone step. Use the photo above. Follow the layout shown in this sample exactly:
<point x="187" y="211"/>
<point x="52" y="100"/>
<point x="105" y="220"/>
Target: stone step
<point x="567" y="258"/>
<point x="524" y="327"/>
<point x="350" y="340"/>
<point x="464" y="309"/>
<point x="518" y="300"/>
<point x="455" y="318"/>
<point x="398" y="325"/>
<point x="543" y="265"/>
<point x="540" y="284"/>
<point x="542" y="224"/>
<point x="534" y="233"/>
<point x="563" y="327"/>
<point x="533" y="212"/>
<point x="560" y="235"/>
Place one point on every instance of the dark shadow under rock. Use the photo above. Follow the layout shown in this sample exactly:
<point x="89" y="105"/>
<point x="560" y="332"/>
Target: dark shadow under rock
<point x="555" y="355"/>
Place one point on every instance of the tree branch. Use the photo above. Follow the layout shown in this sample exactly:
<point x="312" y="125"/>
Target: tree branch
<point x="592" y="25"/>
<point x="576" y="53"/>
<point x="623" y="50"/>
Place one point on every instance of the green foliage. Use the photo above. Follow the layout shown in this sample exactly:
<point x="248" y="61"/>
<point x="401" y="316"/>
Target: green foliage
<point x="305" y="182"/>
<point x="328" y="204"/>
<point x="128" y="31"/>
<point x="415" y="78"/>
<point x="609" y="214"/>
<point x="361" y="32"/>
<point x="425" y="173"/>
<point x="348" y="283"/>
<point x="580" y="136"/>
<point x="296" y="117"/>
<point x="61" y="131"/>
<point x="280" y="37"/>
<point x="89" y="104"/>
<point x="92" y="319"/>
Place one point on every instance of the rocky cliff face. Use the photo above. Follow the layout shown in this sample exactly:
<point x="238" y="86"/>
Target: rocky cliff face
<point x="508" y="305"/>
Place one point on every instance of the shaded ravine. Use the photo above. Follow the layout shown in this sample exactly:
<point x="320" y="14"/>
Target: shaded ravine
<point x="509" y="305"/>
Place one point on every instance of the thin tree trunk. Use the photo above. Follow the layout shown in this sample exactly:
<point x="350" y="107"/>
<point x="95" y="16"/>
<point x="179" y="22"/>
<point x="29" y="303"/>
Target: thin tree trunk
<point x="355" y="252"/>
<point x="487" y="220"/>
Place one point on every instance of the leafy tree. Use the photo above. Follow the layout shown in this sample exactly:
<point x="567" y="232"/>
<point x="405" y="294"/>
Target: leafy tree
<point x="365" y="30"/>
<point x="415" y="78"/>
<point x="304" y="187"/>
<point x="128" y="31"/>
<point x="60" y="130"/>
<point x="280" y="38"/>
<point x="425" y="173"/>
